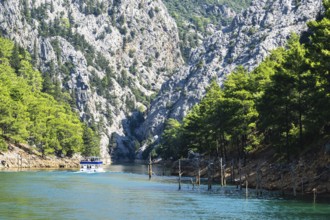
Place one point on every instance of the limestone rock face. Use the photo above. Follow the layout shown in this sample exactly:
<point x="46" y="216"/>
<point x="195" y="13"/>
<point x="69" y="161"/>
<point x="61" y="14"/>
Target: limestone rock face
<point x="114" y="56"/>
<point x="264" y="26"/>
<point x="111" y="56"/>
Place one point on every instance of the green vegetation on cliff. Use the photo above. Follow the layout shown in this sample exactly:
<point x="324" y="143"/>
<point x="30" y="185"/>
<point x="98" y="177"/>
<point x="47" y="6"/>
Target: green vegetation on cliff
<point x="192" y="18"/>
<point x="283" y="103"/>
<point x="27" y="115"/>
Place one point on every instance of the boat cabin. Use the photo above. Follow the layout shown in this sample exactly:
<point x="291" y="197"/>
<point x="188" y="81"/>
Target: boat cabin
<point x="91" y="164"/>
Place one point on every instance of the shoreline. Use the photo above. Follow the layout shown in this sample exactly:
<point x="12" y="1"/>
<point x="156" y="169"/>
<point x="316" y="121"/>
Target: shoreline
<point x="24" y="157"/>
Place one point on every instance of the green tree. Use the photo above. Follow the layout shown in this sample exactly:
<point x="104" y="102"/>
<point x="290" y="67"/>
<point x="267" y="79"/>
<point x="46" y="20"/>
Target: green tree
<point x="171" y="144"/>
<point x="284" y="105"/>
<point x="15" y="59"/>
<point x="240" y="98"/>
<point x="318" y="58"/>
<point x="91" y="142"/>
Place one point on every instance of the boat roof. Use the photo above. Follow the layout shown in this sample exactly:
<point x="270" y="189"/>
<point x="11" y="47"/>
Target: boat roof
<point x="91" y="160"/>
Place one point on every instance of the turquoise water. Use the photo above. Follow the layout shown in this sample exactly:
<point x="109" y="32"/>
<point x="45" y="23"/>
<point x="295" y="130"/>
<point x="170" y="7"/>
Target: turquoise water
<point x="124" y="192"/>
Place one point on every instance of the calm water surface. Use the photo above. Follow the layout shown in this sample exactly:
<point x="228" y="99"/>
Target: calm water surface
<point x="124" y="192"/>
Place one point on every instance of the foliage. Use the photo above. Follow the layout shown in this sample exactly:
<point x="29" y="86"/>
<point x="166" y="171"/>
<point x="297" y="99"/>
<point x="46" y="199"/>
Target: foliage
<point x="91" y="142"/>
<point x="27" y="115"/>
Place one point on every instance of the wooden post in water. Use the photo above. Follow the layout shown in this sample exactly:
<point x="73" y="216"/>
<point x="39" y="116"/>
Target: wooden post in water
<point x="314" y="192"/>
<point x="180" y="173"/>
<point x="150" y="167"/>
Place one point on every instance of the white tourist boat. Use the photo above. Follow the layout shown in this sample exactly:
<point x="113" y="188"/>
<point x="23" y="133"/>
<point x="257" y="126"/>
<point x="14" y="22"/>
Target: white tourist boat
<point x="91" y="165"/>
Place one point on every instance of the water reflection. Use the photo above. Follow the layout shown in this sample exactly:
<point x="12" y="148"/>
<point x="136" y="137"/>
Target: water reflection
<point x="157" y="169"/>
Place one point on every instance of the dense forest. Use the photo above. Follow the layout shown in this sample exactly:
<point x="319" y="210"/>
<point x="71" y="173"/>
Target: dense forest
<point x="284" y="104"/>
<point x="29" y="115"/>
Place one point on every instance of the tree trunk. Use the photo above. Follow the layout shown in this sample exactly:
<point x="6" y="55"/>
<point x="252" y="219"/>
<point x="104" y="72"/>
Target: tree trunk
<point x="287" y="132"/>
<point x="150" y="167"/>
<point x="300" y="122"/>
<point x="246" y="186"/>
<point x="240" y="173"/>
<point x="221" y="173"/>
<point x="232" y="171"/>
<point x="209" y="176"/>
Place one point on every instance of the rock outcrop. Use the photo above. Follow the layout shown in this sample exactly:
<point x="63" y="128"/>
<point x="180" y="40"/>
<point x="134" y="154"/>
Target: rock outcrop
<point x="23" y="156"/>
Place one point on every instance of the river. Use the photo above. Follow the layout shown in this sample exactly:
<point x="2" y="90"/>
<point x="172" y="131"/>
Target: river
<point x="124" y="192"/>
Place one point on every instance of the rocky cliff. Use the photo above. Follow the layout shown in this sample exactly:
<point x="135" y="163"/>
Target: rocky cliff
<point x="110" y="56"/>
<point x="113" y="57"/>
<point x="264" y="26"/>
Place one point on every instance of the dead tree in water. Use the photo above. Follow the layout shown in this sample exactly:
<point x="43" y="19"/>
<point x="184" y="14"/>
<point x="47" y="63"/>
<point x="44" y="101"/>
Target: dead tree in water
<point x="198" y="175"/>
<point x="209" y="176"/>
<point x="150" y="167"/>
<point x="222" y="173"/>
<point x="180" y="174"/>
<point x="293" y="178"/>
<point x="240" y="173"/>
<point x="246" y="186"/>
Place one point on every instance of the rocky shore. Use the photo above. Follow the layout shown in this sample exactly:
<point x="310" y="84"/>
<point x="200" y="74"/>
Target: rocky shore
<point x="24" y="156"/>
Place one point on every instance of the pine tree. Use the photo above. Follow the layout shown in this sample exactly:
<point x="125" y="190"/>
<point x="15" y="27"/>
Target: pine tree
<point x="318" y="56"/>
